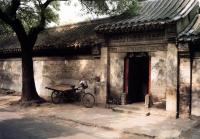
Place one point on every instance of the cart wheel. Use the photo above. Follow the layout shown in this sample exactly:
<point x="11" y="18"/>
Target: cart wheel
<point x="88" y="100"/>
<point x="56" y="97"/>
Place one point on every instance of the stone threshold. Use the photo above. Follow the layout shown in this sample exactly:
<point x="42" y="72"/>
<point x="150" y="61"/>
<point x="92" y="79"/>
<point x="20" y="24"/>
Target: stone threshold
<point x="142" y="110"/>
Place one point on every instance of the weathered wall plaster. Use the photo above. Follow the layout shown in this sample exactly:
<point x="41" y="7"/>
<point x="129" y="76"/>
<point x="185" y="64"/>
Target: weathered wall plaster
<point x="196" y="87"/>
<point x="158" y="75"/>
<point x="184" y="87"/>
<point x="52" y="71"/>
<point x="116" y="74"/>
<point x="10" y="74"/>
<point x="172" y="68"/>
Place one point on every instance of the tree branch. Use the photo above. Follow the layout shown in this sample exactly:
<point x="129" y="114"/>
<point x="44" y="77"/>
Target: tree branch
<point x="4" y="17"/>
<point x="10" y="12"/>
<point x="46" y="4"/>
<point x="7" y="17"/>
<point x="33" y="33"/>
<point x="12" y="9"/>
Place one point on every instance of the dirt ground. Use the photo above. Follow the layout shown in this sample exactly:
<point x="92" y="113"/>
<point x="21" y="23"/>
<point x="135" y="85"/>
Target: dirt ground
<point x="73" y="121"/>
<point x="37" y="122"/>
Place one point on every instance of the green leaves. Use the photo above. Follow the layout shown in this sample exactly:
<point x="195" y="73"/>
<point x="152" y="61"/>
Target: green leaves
<point x="29" y="11"/>
<point x="110" y="7"/>
<point x="132" y="8"/>
<point x="32" y="13"/>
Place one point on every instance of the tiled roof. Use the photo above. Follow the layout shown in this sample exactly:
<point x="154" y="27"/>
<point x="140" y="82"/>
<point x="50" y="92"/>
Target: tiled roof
<point x="153" y="13"/>
<point x="74" y="35"/>
<point x="192" y="32"/>
<point x="69" y="37"/>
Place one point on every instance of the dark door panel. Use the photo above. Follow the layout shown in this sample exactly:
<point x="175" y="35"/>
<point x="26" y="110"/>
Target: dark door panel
<point x="138" y="78"/>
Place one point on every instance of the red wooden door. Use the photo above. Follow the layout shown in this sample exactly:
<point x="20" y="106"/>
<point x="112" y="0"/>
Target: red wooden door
<point x="126" y="73"/>
<point x="134" y="80"/>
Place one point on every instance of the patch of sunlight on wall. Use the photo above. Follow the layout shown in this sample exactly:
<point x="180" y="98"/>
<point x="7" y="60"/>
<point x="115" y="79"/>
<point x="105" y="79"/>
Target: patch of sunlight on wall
<point x="38" y="75"/>
<point x="5" y="66"/>
<point x="83" y="64"/>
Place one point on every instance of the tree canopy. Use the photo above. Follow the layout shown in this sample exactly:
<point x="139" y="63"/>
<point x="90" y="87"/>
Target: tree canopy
<point x="110" y="7"/>
<point x="30" y="12"/>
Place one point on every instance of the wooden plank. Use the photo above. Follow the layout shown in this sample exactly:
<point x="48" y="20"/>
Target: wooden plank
<point x="126" y="74"/>
<point x="148" y="48"/>
<point x="61" y="87"/>
<point x="138" y="43"/>
<point x="149" y="82"/>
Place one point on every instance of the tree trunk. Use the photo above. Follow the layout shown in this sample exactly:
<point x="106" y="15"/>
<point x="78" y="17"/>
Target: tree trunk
<point x="29" y="93"/>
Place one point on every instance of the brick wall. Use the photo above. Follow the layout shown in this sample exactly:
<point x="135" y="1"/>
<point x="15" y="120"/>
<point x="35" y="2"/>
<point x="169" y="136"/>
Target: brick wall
<point x="51" y="71"/>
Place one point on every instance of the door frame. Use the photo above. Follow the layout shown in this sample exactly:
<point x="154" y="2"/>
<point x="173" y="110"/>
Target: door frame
<point x="126" y="70"/>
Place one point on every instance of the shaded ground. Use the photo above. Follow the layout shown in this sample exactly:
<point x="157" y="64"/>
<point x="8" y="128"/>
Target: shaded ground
<point x="192" y="133"/>
<point x="66" y="121"/>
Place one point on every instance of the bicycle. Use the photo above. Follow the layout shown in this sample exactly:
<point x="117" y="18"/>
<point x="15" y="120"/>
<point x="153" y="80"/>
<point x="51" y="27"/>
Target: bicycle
<point x="67" y="92"/>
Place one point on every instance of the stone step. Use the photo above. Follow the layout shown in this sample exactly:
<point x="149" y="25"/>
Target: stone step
<point x="142" y="111"/>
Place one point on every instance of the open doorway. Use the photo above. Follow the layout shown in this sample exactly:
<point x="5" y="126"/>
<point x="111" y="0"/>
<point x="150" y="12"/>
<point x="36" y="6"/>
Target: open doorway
<point x="138" y="77"/>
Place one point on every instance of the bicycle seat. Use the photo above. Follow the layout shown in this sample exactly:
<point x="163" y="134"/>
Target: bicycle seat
<point x="73" y="86"/>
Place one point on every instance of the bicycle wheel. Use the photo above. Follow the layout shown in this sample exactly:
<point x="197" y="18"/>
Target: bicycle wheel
<point x="56" y="97"/>
<point x="88" y="100"/>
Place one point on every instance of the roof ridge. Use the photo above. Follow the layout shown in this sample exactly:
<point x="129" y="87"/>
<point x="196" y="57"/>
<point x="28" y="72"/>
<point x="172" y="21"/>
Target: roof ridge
<point x="186" y="10"/>
<point x="189" y="27"/>
<point x="80" y="23"/>
<point x="155" y="16"/>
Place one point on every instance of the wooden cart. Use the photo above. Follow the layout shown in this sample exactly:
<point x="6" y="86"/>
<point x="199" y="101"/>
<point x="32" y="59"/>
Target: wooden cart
<point x="62" y="92"/>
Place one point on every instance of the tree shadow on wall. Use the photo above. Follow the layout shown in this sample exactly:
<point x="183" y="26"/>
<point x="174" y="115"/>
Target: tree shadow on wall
<point x="6" y="81"/>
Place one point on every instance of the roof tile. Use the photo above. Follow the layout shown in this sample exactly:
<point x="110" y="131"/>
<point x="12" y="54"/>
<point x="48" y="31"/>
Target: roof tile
<point x="152" y="12"/>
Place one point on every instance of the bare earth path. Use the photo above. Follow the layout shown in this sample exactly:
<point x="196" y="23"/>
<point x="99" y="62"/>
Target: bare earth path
<point x="39" y="123"/>
<point x="67" y="121"/>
